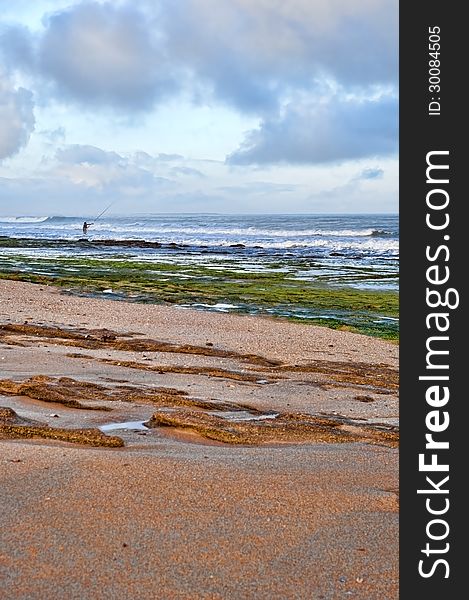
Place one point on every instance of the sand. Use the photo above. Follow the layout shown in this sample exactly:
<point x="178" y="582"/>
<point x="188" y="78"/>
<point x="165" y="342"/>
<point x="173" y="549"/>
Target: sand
<point x="176" y="513"/>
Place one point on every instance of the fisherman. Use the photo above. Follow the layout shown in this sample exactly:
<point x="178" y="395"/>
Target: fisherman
<point x="85" y="227"/>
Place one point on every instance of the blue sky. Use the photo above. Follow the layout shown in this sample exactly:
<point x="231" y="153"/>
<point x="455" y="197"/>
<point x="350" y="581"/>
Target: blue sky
<point x="231" y="106"/>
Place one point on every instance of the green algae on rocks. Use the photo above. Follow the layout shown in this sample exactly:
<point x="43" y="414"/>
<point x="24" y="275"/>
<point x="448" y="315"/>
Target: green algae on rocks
<point x="328" y="300"/>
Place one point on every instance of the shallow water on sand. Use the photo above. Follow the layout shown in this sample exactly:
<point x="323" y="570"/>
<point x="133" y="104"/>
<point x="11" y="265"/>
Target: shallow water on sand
<point x="130" y="425"/>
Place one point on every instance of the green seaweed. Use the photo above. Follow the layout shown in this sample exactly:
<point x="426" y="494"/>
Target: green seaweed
<point x="328" y="300"/>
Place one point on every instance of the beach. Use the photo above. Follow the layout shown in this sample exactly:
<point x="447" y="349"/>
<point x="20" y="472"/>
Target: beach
<point x="199" y="300"/>
<point x="336" y="270"/>
<point x="158" y="451"/>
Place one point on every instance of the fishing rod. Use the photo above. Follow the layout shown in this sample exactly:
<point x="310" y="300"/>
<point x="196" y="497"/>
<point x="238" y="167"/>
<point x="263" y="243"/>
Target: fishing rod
<point x="105" y="210"/>
<point x="87" y="225"/>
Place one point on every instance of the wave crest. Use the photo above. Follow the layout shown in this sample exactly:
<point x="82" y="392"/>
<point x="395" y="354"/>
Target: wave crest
<point x="26" y="220"/>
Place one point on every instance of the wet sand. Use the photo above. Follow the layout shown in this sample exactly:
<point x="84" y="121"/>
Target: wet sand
<point x="183" y="510"/>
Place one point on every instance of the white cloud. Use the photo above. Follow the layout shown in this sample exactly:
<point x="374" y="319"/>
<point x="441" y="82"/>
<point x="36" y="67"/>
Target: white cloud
<point x="16" y="117"/>
<point x="371" y="173"/>
<point x="104" y="54"/>
<point x="140" y="182"/>
<point x="251" y="54"/>
<point x="96" y="168"/>
<point x="332" y="130"/>
<point x="311" y="83"/>
<point x="79" y="154"/>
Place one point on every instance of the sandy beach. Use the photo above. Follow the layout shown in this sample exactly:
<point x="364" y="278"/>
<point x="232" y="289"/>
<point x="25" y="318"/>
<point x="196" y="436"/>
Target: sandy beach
<point x="259" y="459"/>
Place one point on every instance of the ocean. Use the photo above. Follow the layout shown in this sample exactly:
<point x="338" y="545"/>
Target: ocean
<point x="334" y="252"/>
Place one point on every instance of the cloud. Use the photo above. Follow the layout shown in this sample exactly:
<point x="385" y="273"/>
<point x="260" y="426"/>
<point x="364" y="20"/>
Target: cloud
<point x="259" y="187"/>
<point x="16" y="117"/>
<point x="45" y="196"/>
<point x="364" y="190"/>
<point x="54" y="135"/>
<point x="312" y="82"/>
<point x="251" y="54"/>
<point x="93" y="167"/>
<point x="163" y="163"/>
<point x="330" y="131"/>
<point x="371" y="174"/>
<point x="168" y="157"/>
<point x="188" y="171"/>
<point x="104" y="55"/>
<point x="16" y="47"/>
<point x="81" y="154"/>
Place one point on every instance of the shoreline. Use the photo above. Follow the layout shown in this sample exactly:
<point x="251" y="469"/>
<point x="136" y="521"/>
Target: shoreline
<point x="268" y="461"/>
<point x="338" y="289"/>
<point x="45" y="303"/>
<point x="386" y="328"/>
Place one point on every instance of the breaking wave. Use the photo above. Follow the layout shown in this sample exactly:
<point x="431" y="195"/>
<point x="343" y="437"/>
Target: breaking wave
<point x="25" y="220"/>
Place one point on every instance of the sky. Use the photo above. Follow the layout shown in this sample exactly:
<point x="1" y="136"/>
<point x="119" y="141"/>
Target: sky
<point x="212" y="106"/>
